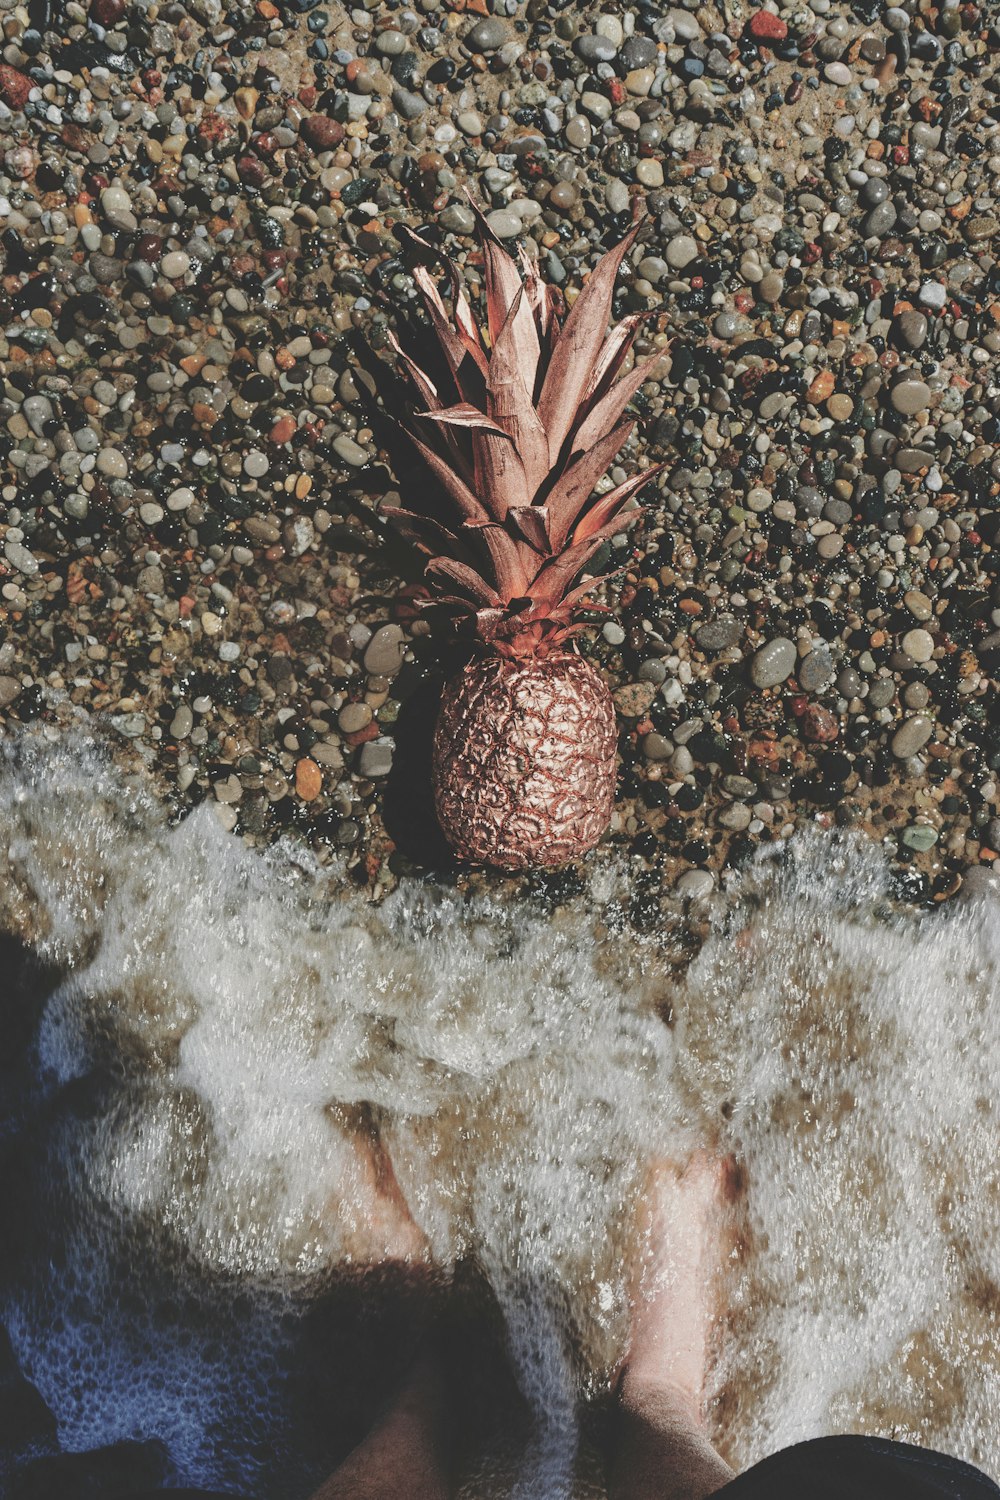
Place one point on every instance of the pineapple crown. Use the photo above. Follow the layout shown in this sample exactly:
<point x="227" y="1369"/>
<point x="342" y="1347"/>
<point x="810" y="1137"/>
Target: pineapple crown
<point x="527" y="420"/>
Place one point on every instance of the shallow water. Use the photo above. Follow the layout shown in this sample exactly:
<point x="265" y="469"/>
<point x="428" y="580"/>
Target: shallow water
<point x="211" y="1030"/>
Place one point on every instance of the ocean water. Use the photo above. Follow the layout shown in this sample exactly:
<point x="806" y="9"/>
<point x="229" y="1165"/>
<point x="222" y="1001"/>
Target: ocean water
<point x="203" y="1041"/>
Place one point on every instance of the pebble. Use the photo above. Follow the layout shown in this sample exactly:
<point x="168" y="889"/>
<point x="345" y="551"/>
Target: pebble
<point x="487" y="35"/>
<point x="911" y="736"/>
<point x="175" y="265"/>
<point x="718" y="635"/>
<point x="773" y="663"/>
<point x="695" y="885"/>
<point x="816" y="670"/>
<point x="681" y="251"/>
<point x="375" y="760"/>
<point x="910" y="395"/>
<point x="308" y="779"/>
<point x="918" y="645"/>
<point x="112" y="463"/>
<point x="384" y="652"/>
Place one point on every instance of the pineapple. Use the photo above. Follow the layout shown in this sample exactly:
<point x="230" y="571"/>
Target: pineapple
<point x="532" y="416"/>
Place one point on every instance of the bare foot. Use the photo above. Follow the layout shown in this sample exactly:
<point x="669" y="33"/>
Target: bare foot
<point x="673" y="1303"/>
<point x="384" y="1229"/>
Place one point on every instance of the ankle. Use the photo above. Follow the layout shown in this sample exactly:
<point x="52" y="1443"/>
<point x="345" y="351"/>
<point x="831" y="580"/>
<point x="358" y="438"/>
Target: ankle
<point x="645" y="1394"/>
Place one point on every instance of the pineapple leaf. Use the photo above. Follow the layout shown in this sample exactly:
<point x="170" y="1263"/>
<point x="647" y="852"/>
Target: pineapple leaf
<point x="533" y="523"/>
<point x="605" y="412"/>
<point x="549" y="587"/>
<point x="578" y="347"/>
<point x="508" y="569"/>
<point x="608" y="506"/>
<point x="575" y="486"/>
<point x="503" y="285"/>
<point x="452" y="484"/>
<point x="510" y="403"/>
<point x="472" y="586"/>
<point x="464" y="415"/>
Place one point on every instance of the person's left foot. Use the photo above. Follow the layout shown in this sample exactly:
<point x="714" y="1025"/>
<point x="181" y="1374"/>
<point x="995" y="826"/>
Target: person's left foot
<point x="673" y="1308"/>
<point x="385" y="1229"/>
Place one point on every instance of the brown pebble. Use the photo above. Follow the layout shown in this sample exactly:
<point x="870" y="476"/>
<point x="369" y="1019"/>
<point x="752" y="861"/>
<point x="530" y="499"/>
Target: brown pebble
<point x="820" y="387"/>
<point x="308" y="779"/>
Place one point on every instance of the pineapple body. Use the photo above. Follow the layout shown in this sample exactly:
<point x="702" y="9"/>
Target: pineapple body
<point x="524" y="760"/>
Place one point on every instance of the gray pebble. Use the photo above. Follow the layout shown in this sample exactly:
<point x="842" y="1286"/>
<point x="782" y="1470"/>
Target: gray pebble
<point x="718" y="635"/>
<point x="816" y="670"/>
<point x="910" y="395"/>
<point x="487" y="35"/>
<point x="375" y="759"/>
<point x="773" y="662"/>
<point x="911" y="736"/>
<point x="384" y="652"/>
<point x="695" y="885"/>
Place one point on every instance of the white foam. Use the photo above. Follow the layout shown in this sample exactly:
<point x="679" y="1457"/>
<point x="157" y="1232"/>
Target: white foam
<point x="520" y="1072"/>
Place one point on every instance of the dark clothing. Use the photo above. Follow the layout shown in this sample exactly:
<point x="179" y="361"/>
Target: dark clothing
<point x="829" y="1468"/>
<point x="859" y="1468"/>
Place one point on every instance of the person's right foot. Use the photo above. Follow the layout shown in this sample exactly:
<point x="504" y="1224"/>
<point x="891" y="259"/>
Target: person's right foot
<point x="673" y="1301"/>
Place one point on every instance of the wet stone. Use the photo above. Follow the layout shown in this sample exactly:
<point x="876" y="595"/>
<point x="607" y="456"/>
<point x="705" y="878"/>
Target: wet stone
<point x="919" y="837"/>
<point x="384" y="652"/>
<point x="912" y="328"/>
<point x="375" y="759"/>
<point x="487" y="36"/>
<point x="911" y="736"/>
<point x="909" y="396"/>
<point x="718" y="635"/>
<point x="881" y="693"/>
<point x="816" y="670"/>
<point x="918" y="645"/>
<point x="695" y="885"/>
<point x="773" y="663"/>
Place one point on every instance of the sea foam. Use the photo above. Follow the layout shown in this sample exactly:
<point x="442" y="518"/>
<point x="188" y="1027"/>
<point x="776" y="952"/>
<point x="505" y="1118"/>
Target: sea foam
<point x="228" y="1016"/>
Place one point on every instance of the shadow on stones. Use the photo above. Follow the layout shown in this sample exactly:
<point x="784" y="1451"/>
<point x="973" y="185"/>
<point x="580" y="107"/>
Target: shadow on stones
<point x="408" y="800"/>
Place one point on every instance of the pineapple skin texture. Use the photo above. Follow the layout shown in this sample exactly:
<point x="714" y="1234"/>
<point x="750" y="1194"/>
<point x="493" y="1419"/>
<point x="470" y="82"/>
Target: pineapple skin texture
<point x="524" y="760"/>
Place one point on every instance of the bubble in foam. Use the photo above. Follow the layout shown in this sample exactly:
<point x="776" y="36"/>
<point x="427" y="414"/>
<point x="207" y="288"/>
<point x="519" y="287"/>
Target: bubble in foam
<point x="252" y="1018"/>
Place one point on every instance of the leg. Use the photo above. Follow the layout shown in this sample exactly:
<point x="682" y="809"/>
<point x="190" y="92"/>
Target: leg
<point x="663" y="1452"/>
<point x="406" y="1453"/>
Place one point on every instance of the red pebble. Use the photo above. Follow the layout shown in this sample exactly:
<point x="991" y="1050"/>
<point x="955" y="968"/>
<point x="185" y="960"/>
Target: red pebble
<point x="765" y="26"/>
<point x="322" y="133"/>
<point x="819" y="724"/>
<point x="108" y="13"/>
<point x="14" y="87"/>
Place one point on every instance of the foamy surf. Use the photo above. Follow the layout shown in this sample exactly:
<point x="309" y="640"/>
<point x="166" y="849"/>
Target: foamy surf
<point x="226" y="1013"/>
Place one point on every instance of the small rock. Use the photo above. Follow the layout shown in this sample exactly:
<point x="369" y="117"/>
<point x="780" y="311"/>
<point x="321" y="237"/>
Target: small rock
<point x="112" y="462"/>
<point x="919" y="836"/>
<point x="773" y="663"/>
<point x="816" y="670"/>
<point x="487" y="35"/>
<point x="681" y="251"/>
<point x="911" y="736"/>
<point x="375" y="759"/>
<point x="910" y="395"/>
<point x="695" y="885"/>
<point x="633" y="699"/>
<point x="764" y="26"/>
<point x="819" y="725"/>
<point x="718" y="635"/>
<point x="384" y="652"/>
<point x="308" y="779"/>
<point x="918" y="645"/>
<point x="9" y="689"/>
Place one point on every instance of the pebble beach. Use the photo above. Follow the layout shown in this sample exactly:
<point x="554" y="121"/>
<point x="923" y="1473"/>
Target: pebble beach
<point x="199" y="207"/>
